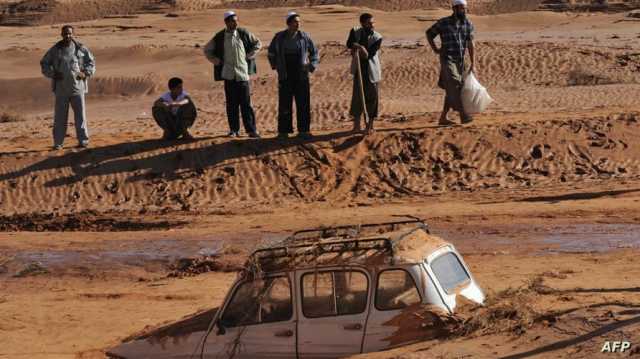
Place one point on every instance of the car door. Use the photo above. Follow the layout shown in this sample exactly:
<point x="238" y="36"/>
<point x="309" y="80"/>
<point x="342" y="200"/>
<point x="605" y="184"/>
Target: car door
<point x="257" y="322"/>
<point x="332" y="311"/>
<point x="391" y="320"/>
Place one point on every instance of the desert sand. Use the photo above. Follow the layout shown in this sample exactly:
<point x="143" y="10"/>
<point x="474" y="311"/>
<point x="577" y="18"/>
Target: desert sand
<point x="540" y="193"/>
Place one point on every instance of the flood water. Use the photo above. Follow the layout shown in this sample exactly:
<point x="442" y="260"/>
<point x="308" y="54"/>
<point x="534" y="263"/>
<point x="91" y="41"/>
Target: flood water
<point x="579" y="238"/>
<point x="158" y="255"/>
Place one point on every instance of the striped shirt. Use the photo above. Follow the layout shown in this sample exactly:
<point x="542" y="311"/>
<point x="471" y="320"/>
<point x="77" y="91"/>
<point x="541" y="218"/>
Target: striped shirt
<point x="454" y="35"/>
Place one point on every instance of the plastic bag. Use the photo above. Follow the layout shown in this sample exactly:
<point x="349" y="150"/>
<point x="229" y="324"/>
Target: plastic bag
<point x="475" y="97"/>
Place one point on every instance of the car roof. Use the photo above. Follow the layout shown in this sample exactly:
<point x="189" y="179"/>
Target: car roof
<point x="391" y="243"/>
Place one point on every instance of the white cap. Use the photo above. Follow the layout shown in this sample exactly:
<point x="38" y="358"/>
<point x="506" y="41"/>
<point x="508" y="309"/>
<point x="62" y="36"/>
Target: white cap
<point x="229" y="13"/>
<point x="290" y="14"/>
<point x="459" y="2"/>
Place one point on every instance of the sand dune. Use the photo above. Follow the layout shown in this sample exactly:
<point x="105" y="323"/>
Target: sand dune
<point x="477" y="6"/>
<point x="125" y="86"/>
<point x="38" y="90"/>
<point x="32" y="12"/>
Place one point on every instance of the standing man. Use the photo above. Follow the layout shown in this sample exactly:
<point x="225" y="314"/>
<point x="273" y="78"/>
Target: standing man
<point x="233" y="51"/>
<point x="456" y="35"/>
<point x="366" y="42"/>
<point x="69" y="64"/>
<point x="294" y="55"/>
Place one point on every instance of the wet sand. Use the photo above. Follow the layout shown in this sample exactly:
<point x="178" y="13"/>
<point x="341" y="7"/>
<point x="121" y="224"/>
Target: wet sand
<point x="540" y="193"/>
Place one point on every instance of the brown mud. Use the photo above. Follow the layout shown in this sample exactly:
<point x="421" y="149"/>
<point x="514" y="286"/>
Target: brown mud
<point x="540" y="193"/>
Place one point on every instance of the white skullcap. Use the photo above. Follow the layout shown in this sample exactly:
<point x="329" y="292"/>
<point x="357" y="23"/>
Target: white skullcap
<point x="229" y="13"/>
<point x="290" y="14"/>
<point x="459" y="2"/>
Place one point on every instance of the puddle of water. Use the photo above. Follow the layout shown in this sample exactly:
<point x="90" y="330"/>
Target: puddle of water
<point x="109" y="255"/>
<point x="569" y="238"/>
<point x="594" y="238"/>
<point x="113" y="254"/>
<point x="145" y="250"/>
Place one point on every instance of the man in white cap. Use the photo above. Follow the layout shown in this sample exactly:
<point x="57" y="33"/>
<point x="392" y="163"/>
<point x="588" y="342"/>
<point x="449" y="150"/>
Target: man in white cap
<point x="456" y="36"/>
<point x="233" y="51"/>
<point x="294" y="55"/>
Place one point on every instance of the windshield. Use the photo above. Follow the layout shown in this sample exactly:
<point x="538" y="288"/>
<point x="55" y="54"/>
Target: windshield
<point x="449" y="271"/>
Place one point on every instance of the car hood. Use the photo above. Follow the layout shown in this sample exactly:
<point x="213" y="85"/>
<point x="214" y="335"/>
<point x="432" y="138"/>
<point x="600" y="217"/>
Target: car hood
<point x="176" y="340"/>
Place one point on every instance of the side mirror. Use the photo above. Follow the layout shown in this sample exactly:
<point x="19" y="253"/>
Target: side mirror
<point x="221" y="330"/>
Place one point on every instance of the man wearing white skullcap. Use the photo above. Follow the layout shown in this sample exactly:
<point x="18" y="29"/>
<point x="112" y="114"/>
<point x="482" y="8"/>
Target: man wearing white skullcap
<point x="290" y="14"/>
<point x="232" y="52"/>
<point x="228" y="14"/>
<point x="293" y="55"/>
<point x="456" y="36"/>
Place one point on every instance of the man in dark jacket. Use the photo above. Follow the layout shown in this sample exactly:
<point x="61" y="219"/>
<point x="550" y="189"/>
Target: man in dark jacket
<point x="232" y="52"/>
<point x="456" y="34"/>
<point x="294" y="55"/>
<point x="366" y="42"/>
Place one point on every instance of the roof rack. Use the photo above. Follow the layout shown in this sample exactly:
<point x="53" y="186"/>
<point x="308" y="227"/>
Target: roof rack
<point x="324" y="247"/>
<point x="347" y="239"/>
<point x="354" y="231"/>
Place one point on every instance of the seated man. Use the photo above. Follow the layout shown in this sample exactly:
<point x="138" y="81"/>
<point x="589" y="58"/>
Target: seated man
<point x="175" y="112"/>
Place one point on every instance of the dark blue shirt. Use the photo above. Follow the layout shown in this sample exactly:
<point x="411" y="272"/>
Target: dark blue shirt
<point x="454" y="34"/>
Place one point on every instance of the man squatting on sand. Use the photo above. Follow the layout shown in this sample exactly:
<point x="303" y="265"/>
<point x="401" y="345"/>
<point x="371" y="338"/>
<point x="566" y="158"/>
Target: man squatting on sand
<point x="233" y="51"/>
<point x="175" y="112"/>
<point x="69" y="64"/>
<point x="456" y="35"/>
<point x="367" y="42"/>
<point x="294" y="55"/>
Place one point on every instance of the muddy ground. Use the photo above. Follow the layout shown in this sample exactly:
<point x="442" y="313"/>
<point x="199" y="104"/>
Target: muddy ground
<point x="540" y="193"/>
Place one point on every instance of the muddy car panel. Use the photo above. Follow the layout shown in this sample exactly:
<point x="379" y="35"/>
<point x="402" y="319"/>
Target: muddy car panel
<point x="266" y="327"/>
<point x="452" y="277"/>
<point x="380" y="330"/>
<point x="332" y="310"/>
<point x="147" y="348"/>
<point x="261" y="335"/>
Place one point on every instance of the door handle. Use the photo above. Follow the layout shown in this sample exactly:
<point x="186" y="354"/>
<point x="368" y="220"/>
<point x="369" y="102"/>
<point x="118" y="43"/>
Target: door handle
<point x="284" y="333"/>
<point x="356" y="326"/>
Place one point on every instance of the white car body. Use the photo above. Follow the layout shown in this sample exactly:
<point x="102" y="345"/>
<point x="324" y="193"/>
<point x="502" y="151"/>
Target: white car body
<point x="328" y="297"/>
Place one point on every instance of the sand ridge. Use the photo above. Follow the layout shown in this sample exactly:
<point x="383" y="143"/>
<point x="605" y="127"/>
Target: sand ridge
<point x="337" y="167"/>
<point x="32" y="12"/>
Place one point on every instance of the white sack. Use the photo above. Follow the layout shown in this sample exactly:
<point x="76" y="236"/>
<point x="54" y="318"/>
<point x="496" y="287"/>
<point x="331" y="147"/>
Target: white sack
<point x="475" y="97"/>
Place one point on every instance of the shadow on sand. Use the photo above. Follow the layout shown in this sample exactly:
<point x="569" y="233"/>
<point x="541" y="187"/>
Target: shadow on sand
<point x="152" y="158"/>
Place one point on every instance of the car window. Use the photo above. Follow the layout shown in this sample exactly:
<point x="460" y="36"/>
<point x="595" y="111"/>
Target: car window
<point x="449" y="271"/>
<point x="276" y="306"/>
<point x="332" y="293"/>
<point x="396" y="290"/>
<point x="259" y="301"/>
